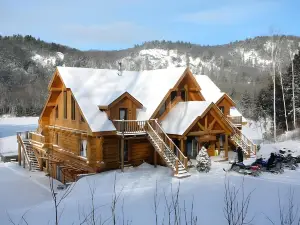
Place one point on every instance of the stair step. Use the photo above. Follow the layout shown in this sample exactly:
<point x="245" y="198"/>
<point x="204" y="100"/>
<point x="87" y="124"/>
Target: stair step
<point x="183" y="175"/>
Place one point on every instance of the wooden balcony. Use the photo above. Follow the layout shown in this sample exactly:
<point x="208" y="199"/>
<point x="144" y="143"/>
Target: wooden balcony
<point x="236" y="120"/>
<point x="130" y="127"/>
<point x="37" y="138"/>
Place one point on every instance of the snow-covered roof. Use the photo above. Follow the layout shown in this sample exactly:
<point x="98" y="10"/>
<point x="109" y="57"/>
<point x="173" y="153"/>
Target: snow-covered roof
<point x="209" y="89"/>
<point x="235" y="112"/>
<point x="183" y="115"/>
<point x="94" y="87"/>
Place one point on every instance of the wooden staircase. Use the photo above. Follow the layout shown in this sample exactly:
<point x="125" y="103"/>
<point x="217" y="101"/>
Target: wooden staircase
<point x="28" y="154"/>
<point x="240" y="140"/>
<point x="166" y="148"/>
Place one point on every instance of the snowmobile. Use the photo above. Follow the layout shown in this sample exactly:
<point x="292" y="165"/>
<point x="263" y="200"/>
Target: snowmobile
<point x="288" y="159"/>
<point x="240" y="167"/>
<point x="272" y="165"/>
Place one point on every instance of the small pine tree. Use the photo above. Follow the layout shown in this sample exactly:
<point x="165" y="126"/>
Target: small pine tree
<point x="203" y="161"/>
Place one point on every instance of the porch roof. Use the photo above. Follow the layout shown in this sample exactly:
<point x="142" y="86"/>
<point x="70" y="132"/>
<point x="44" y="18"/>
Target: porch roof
<point x="178" y="120"/>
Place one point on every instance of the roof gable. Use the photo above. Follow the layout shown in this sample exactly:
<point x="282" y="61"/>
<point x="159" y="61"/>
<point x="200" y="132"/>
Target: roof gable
<point x="181" y="116"/>
<point x="120" y="98"/>
<point x="94" y="87"/>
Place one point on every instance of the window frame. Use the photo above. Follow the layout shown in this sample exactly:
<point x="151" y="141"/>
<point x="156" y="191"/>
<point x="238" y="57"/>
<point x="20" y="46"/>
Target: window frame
<point x="65" y="96"/>
<point x="173" y="97"/>
<point x="56" y="112"/>
<point x="73" y="108"/>
<point x="82" y="151"/>
<point x="222" y="109"/>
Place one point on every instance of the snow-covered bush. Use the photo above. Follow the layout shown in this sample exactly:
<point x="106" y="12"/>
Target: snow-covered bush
<point x="203" y="160"/>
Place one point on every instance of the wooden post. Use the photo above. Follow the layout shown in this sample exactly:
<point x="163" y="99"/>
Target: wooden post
<point x="23" y="158"/>
<point x="176" y="166"/>
<point x="226" y="146"/>
<point x="181" y="148"/>
<point x="155" y="158"/>
<point x="122" y="154"/>
<point x="218" y="144"/>
<point x="19" y="153"/>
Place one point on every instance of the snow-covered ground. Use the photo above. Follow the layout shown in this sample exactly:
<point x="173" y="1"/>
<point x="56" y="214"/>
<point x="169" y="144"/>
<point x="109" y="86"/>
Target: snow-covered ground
<point x="27" y="192"/>
<point x="8" y="128"/>
<point x="137" y="187"/>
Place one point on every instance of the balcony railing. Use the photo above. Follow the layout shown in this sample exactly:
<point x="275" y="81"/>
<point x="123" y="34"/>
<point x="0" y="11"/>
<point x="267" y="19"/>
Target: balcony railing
<point x="130" y="126"/>
<point x="37" y="138"/>
<point x="236" y="120"/>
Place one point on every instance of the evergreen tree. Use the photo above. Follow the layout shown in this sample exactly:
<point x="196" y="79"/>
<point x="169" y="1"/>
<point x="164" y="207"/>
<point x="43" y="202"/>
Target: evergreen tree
<point x="203" y="160"/>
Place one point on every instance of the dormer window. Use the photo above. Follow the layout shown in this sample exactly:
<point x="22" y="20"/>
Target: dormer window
<point x="222" y="109"/>
<point x="173" y="95"/>
<point x="183" y="95"/>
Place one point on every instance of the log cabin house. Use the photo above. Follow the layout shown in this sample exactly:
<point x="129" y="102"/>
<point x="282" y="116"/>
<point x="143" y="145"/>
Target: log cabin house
<point x="96" y="120"/>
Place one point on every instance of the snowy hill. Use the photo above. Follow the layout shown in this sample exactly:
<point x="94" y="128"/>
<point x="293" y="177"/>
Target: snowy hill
<point x="27" y="63"/>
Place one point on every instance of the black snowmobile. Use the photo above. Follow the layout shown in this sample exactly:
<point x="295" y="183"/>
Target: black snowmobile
<point x="288" y="159"/>
<point x="272" y="165"/>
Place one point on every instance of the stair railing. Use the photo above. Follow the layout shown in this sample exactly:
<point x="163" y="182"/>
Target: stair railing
<point x="241" y="139"/>
<point x="23" y="149"/>
<point x="152" y="132"/>
<point x="168" y="141"/>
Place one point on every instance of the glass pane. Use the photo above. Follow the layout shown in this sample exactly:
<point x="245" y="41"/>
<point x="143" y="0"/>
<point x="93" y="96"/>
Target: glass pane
<point x="123" y="114"/>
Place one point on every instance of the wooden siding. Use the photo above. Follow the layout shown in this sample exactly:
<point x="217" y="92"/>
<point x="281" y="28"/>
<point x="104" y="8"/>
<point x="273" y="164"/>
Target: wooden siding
<point x="111" y="153"/>
<point x="140" y="151"/>
<point x="69" y="123"/>
<point x="226" y="104"/>
<point x="127" y="103"/>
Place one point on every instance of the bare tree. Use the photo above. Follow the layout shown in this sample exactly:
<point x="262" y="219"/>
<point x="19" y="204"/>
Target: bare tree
<point x="288" y="214"/>
<point x="236" y="204"/>
<point x="291" y="56"/>
<point x="279" y="64"/>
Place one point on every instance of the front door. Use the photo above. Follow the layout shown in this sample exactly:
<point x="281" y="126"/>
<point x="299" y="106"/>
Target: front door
<point x="122" y="116"/>
<point x="192" y="147"/>
<point x="125" y="151"/>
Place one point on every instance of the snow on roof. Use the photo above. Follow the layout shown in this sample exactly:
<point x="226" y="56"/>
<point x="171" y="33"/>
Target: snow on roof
<point x="183" y="115"/>
<point x="209" y="89"/>
<point x="94" y="87"/>
<point x="235" y="112"/>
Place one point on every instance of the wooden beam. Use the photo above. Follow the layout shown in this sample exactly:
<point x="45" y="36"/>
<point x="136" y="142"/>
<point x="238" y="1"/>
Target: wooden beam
<point x="219" y="121"/>
<point x="205" y="121"/>
<point x="194" y="89"/>
<point x="201" y="127"/>
<point x="199" y="133"/>
<point x="122" y="154"/>
<point x="53" y="89"/>
<point x="19" y="153"/>
<point x="182" y="149"/>
<point x="212" y="124"/>
<point x="51" y="104"/>
<point x="155" y="158"/>
<point x="226" y="146"/>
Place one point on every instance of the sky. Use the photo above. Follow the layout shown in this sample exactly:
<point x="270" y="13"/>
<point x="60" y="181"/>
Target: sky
<point x="119" y="24"/>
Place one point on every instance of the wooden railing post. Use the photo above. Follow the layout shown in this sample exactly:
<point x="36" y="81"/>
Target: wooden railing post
<point x="176" y="166"/>
<point x="185" y="162"/>
<point x="19" y="153"/>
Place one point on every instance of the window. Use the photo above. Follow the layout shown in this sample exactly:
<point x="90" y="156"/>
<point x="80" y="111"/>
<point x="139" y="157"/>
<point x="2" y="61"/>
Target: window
<point x="56" y="138"/>
<point x="72" y="108"/>
<point x="173" y="95"/>
<point x="82" y="119"/>
<point x="162" y="109"/>
<point x="56" y="112"/>
<point x="183" y="95"/>
<point x="222" y="108"/>
<point x="83" y="146"/>
<point x="65" y="105"/>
